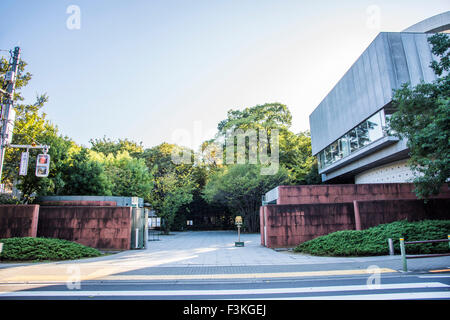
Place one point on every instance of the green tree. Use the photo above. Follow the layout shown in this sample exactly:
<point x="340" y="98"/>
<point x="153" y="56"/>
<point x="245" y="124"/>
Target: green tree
<point x="240" y="188"/>
<point x="22" y="78"/>
<point x="176" y="194"/>
<point x="159" y="159"/>
<point x="73" y="170"/>
<point x="267" y="116"/>
<point x="83" y="176"/>
<point x="107" y="146"/>
<point x="174" y="184"/>
<point x="30" y="126"/>
<point x="296" y="156"/>
<point x="263" y="119"/>
<point x="66" y="174"/>
<point x="128" y="176"/>
<point x="294" y="149"/>
<point x="423" y="117"/>
<point x="61" y="150"/>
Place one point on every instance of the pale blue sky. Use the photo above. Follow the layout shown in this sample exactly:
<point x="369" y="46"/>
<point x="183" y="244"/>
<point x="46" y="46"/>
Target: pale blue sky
<point x="151" y="70"/>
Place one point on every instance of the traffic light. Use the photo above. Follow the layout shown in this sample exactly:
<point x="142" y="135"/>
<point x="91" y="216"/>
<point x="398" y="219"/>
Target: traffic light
<point x="42" y="165"/>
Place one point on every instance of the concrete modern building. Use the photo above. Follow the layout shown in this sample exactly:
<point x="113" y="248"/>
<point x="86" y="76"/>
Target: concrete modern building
<point x="348" y="128"/>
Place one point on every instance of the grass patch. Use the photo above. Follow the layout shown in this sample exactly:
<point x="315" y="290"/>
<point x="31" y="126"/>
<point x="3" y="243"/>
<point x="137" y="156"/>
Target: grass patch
<point x="373" y="241"/>
<point x="41" y="249"/>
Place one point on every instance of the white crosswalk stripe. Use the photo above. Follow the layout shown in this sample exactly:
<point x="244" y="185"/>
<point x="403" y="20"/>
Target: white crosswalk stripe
<point x="381" y="296"/>
<point x="360" y="292"/>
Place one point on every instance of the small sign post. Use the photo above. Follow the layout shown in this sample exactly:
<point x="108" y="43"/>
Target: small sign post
<point x="23" y="170"/>
<point x="238" y="222"/>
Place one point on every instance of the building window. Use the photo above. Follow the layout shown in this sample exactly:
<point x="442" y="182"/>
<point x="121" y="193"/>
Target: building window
<point x="360" y="136"/>
<point x="321" y="160"/>
<point x="334" y="152"/>
<point x="362" y="132"/>
<point x="353" y="140"/>
<point x="375" y="127"/>
<point x="344" y="146"/>
<point x="327" y="156"/>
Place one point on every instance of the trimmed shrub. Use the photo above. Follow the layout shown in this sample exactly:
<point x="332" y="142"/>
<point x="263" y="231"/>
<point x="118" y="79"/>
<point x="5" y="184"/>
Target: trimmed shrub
<point x="373" y="241"/>
<point x="39" y="249"/>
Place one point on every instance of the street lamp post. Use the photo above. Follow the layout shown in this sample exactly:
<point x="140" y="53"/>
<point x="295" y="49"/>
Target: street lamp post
<point x="238" y="222"/>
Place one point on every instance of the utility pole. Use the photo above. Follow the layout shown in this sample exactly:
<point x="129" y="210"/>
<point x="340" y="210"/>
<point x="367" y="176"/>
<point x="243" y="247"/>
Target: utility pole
<point x="8" y="113"/>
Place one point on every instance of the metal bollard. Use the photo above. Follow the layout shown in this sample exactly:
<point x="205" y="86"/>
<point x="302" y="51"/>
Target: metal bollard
<point x="403" y="253"/>
<point x="146" y="237"/>
<point x="137" y="238"/>
<point x="391" y="247"/>
<point x="1" y="247"/>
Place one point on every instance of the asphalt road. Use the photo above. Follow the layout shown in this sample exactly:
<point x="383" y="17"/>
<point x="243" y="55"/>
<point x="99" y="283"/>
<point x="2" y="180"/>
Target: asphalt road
<point x="373" y="286"/>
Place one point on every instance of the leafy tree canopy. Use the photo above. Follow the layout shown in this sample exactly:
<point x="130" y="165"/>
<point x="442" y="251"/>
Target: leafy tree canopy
<point x="128" y="176"/>
<point x="240" y="187"/>
<point x="267" y="116"/>
<point x="107" y="146"/>
<point x="423" y="117"/>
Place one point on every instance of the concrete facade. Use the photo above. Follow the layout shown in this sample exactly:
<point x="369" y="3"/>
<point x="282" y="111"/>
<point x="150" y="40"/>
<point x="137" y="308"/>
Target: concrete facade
<point x="366" y="90"/>
<point x="392" y="59"/>
<point x="437" y="23"/>
<point x="393" y="172"/>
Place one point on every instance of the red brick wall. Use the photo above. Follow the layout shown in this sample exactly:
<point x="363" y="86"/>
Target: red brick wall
<point x="374" y="213"/>
<point x="18" y="220"/>
<point x="349" y="192"/>
<point x="102" y="227"/>
<point x="290" y="225"/>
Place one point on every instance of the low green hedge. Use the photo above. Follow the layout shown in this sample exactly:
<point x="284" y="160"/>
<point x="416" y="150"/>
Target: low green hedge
<point x="39" y="249"/>
<point x="373" y="241"/>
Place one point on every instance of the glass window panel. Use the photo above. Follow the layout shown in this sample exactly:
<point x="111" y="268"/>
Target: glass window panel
<point x="374" y="127"/>
<point x="321" y="160"/>
<point x="318" y="160"/>
<point x="327" y="156"/>
<point x="388" y="118"/>
<point x="352" y="140"/>
<point x="344" y="147"/>
<point x="362" y="132"/>
<point x="334" y="152"/>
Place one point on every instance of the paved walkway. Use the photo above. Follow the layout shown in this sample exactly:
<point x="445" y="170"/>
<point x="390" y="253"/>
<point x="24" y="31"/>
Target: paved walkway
<point x="216" y="248"/>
